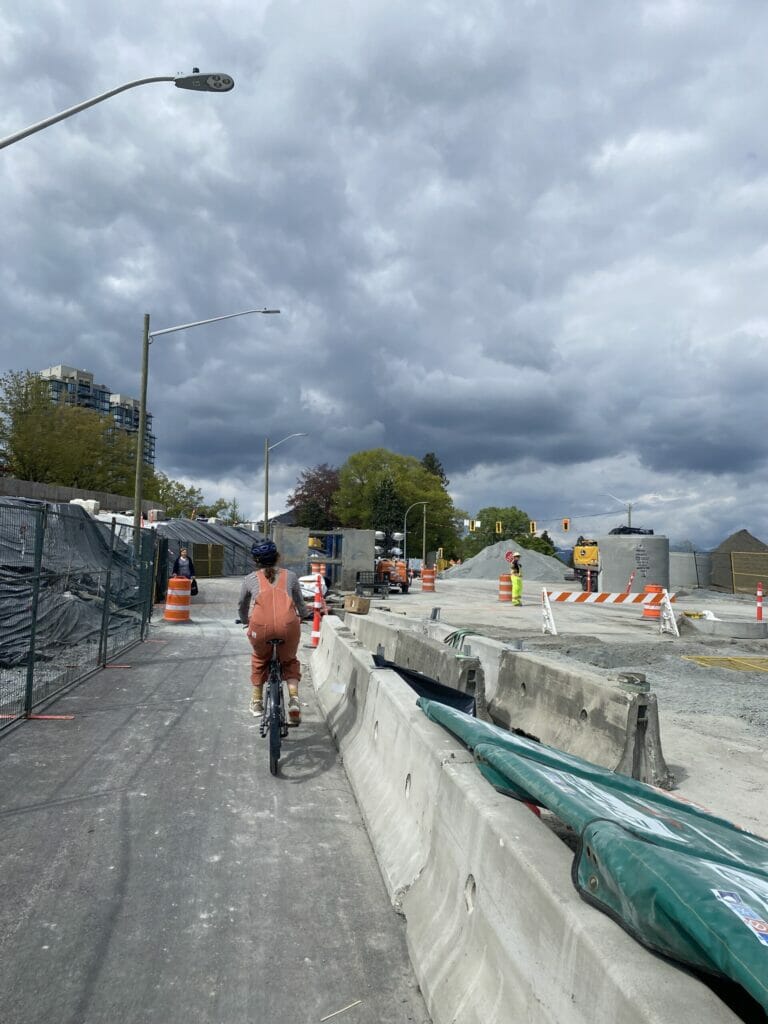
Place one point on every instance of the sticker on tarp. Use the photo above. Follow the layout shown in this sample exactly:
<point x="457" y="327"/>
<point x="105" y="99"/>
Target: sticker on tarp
<point x="750" y="917"/>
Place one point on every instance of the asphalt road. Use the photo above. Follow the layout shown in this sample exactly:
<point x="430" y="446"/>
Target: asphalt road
<point x="154" y="871"/>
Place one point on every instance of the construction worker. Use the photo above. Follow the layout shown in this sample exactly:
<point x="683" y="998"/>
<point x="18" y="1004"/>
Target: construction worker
<point x="516" y="572"/>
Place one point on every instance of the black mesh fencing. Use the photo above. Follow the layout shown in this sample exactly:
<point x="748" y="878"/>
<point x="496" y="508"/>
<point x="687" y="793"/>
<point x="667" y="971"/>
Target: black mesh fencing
<point x="72" y="597"/>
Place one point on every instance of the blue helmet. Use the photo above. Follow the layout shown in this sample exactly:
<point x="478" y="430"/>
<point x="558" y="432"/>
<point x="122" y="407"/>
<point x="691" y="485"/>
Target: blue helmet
<point x="264" y="551"/>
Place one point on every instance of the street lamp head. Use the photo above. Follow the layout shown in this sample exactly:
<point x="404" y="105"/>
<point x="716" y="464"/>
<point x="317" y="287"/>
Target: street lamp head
<point x="204" y="83"/>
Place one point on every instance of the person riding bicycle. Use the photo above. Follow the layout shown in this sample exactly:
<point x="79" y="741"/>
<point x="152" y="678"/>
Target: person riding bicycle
<point x="278" y="608"/>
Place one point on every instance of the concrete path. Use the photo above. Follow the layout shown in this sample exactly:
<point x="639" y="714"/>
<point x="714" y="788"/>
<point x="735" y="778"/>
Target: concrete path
<point x="154" y="871"/>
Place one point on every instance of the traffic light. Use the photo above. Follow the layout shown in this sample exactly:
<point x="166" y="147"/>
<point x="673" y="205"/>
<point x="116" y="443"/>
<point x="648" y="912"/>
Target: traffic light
<point x="566" y="525"/>
<point x="532" y="526"/>
<point x="499" y="527"/>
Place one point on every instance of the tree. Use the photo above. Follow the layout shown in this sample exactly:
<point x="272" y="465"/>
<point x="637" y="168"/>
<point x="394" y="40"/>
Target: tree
<point x="363" y="495"/>
<point x="514" y="529"/>
<point x="178" y="501"/>
<point x="433" y="465"/>
<point x="61" y="444"/>
<point x="312" y="501"/>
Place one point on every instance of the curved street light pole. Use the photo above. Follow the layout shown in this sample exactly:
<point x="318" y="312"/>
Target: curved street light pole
<point x="147" y="339"/>
<point x="405" y="533"/>
<point x="196" y="81"/>
<point x="267" y="449"/>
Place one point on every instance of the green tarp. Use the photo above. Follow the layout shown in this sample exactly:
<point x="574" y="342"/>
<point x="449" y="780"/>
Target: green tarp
<point x="687" y="884"/>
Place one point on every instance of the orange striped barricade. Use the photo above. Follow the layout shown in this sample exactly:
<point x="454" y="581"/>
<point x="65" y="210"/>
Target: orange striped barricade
<point x="428" y="580"/>
<point x="319" y="607"/>
<point x="505" y="586"/>
<point x="648" y="597"/>
<point x="653" y="611"/>
<point x="177" y="599"/>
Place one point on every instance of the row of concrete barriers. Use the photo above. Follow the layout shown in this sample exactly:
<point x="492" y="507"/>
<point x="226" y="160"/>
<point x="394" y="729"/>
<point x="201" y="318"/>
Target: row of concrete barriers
<point x="613" y="724"/>
<point x="496" y="931"/>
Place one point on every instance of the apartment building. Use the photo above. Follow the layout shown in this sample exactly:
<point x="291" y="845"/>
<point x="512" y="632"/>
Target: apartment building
<point x="77" y="387"/>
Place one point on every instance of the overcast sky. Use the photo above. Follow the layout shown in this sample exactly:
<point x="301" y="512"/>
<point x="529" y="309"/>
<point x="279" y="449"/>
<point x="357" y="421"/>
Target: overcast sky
<point x="530" y="236"/>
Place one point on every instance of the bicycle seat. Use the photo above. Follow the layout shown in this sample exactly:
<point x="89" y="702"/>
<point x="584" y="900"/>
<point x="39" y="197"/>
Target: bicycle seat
<point x="276" y="641"/>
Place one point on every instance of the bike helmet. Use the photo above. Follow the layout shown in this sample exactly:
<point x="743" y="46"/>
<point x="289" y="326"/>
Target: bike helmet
<point x="264" y="552"/>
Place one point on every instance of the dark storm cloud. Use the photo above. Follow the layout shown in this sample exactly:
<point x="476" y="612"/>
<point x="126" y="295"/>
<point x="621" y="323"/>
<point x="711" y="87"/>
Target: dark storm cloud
<point x="525" y="237"/>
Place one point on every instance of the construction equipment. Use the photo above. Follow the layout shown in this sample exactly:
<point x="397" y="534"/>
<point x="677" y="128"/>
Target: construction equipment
<point x="389" y="560"/>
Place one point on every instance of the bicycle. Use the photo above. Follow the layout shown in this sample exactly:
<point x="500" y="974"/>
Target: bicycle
<point x="273" y="721"/>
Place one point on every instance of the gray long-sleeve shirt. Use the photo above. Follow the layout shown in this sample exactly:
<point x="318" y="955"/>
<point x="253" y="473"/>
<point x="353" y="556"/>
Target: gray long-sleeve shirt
<point x="250" y="588"/>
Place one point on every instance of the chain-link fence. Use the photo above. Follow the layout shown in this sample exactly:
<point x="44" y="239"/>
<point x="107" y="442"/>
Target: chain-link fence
<point x="72" y="597"/>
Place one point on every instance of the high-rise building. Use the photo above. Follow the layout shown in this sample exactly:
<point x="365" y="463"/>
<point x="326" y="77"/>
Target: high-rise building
<point x="76" y="387"/>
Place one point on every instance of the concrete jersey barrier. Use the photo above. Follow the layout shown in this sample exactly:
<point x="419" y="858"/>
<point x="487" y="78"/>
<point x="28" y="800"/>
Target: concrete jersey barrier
<point x="570" y="708"/>
<point x="495" y="929"/>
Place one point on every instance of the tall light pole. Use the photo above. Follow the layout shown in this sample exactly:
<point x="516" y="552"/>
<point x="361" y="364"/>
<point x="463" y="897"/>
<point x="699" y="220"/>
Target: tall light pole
<point x="424" y="534"/>
<point x="195" y="81"/>
<point x="267" y="449"/>
<point x="147" y="339"/>
<point x="622" y="502"/>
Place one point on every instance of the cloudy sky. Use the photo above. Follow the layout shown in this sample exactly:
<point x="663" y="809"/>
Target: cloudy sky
<point x="530" y="236"/>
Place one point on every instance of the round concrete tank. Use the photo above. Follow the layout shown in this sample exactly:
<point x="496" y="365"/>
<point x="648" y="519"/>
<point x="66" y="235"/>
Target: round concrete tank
<point x="645" y="555"/>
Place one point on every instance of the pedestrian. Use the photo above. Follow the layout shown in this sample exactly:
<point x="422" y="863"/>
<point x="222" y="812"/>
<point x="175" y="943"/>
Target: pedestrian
<point x="516" y="572"/>
<point x="278" y="608"/>
<point x="184" y="566"/>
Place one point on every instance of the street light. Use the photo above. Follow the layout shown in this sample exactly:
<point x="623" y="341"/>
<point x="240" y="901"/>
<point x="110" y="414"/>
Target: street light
<point x="267" y="449"/>
<point x="622" y="502"/>
<point x="195" y="81"/>
<point x="147" y="340"/>
<point x="423" y="537"/>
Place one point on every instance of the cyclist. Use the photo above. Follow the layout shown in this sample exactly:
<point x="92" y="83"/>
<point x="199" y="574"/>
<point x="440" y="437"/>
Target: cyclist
<point x="277" y="610"/>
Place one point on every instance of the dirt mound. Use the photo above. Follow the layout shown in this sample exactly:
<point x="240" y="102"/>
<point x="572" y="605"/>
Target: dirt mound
<point x="489" y="563"/>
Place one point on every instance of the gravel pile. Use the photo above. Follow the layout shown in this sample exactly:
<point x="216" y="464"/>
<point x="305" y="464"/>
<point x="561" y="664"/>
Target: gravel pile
<point x="489" y="563"/>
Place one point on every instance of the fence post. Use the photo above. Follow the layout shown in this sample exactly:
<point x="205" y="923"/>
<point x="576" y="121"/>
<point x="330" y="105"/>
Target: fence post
<point x="105" y="607"/>
<point x="42" y="518"/>
<point x="146" y="581"/>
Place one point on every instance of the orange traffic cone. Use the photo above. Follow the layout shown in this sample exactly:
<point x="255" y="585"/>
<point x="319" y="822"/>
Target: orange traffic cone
<point x="318" y="610"/>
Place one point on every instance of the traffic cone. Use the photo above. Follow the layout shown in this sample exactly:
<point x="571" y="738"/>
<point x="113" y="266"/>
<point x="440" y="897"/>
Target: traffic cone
<point x="318" y="610"/>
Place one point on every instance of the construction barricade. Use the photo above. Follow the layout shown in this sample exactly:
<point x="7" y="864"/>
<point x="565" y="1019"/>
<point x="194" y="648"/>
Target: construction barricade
<point x="428" y="580"/>
<point x="505" y="587"/>
<point x="178" y="599"/>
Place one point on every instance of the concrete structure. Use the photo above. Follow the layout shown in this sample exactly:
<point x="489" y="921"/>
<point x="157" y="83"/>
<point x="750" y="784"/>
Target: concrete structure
<point x="495" y="929"/>
<point x="10" y="487"/>
<point x="644" y="555"/>
<point x="355" y="549"/>
<point x="612" y="723"/>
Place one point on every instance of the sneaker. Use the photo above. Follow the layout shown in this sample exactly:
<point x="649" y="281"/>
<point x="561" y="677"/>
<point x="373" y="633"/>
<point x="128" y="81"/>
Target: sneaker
<point x="257" y="707"/>
<point x="294" y="711"/>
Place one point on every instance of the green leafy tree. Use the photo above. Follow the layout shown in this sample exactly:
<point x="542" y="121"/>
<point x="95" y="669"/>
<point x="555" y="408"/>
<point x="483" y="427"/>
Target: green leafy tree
<point x="363" y="497"/>
<point x="433" y="465"/>
<point x="61" y="444"/>
<point x="312" y="501"/>
<point x="179" y="502"/>
<point x="514" y="529"/>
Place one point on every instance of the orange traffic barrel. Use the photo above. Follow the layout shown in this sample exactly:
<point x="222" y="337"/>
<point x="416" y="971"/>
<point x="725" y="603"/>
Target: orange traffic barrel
<point x="652" y="611"/>
<point x="428" y="580"/>
<point x="505" y="587"/>
<point x="177" y="599"/>
<point x="318" y="567"/>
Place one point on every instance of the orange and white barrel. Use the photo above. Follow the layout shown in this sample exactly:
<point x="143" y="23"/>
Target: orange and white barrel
<point x="428" y="580"/>
<point x="318" y="567"/>
<point x="505" y="587"/>
<point x="177" y="599"/>
<point x="652" y="611"/>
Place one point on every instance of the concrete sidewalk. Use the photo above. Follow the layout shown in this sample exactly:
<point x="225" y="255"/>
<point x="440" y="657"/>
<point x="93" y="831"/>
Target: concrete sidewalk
<point x="153" y="869"/>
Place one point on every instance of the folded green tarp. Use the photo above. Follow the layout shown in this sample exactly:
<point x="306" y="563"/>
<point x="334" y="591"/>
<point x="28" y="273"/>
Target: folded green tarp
<point x="687" y="884"/>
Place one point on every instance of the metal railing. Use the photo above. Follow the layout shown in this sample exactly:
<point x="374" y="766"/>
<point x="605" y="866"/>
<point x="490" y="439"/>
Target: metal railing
<point x="72" y="597"/>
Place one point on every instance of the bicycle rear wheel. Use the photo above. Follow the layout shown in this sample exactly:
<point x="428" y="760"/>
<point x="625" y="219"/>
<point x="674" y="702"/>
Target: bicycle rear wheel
<point x="274" y="727"/>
